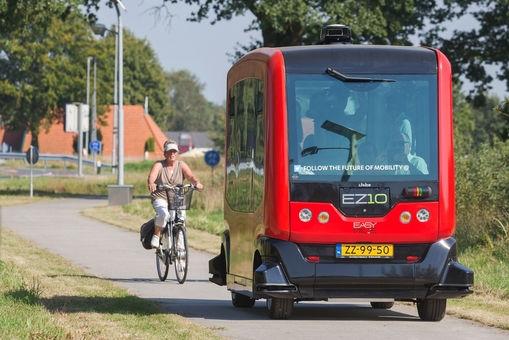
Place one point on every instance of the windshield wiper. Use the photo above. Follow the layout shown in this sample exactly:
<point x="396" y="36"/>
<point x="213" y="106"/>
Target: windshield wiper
<point x="346" y="79"/>
<point x="313" y="150"/>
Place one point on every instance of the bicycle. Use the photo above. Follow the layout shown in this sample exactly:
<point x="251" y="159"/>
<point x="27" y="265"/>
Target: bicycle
<point x="175" y="252"/>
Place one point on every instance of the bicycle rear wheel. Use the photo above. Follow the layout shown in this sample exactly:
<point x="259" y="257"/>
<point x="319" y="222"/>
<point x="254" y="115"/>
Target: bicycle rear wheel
<point x="182" y="254"/>
<point x="163" y="257"/>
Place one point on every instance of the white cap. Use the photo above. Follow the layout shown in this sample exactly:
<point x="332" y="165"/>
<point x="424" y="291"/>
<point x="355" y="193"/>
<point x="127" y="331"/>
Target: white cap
<point x="171" y="146"/>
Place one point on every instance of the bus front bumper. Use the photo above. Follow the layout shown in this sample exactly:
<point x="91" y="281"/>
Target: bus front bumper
<point x="285" y="273"/>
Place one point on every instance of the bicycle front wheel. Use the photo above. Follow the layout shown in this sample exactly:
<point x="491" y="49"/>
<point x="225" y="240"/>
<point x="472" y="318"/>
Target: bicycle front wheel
<point x="163" y="257"/>
<point x="181" y="253"/>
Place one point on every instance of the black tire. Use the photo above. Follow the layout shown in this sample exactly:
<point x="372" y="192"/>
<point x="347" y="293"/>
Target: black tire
<point x="382" y="305"/>
<point x="280" y="308"/>
<point x="242" y="301"/>
<point x="181" y="253"/>
<point x="431" y="309"/>
<point x="162" y="261"/>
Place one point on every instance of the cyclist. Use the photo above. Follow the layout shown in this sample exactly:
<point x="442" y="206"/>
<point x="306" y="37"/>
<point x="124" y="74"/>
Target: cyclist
<point x="167" y="171"/>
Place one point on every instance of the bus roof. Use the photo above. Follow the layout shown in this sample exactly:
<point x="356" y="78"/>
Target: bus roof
<point x="360" y="59"/>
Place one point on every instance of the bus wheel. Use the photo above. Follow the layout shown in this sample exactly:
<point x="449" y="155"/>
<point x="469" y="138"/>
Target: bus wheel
<point x="431" y="309"/>
<point x="242" y="301"/>
<point x="382" y="305"/>
<point x="280" y="308"/>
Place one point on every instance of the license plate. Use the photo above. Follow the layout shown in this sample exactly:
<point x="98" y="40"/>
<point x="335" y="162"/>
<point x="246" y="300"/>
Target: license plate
<point x="381" y="251"/>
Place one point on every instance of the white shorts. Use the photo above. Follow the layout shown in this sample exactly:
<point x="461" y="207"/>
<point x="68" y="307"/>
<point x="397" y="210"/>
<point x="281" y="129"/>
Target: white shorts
<point x="162" y="213"/>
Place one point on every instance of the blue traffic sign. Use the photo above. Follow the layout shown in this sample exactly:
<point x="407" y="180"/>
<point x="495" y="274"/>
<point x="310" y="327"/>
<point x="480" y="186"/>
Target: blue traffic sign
<point x="32" y="155"/>
<point x="212" y="158"/>
<point x="95" y="145"/>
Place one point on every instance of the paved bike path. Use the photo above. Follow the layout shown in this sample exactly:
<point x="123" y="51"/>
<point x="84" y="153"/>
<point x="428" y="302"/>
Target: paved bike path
<point x="113" y="253"/>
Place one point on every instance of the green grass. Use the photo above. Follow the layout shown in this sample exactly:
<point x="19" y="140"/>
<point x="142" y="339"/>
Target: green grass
<point x="198" y="219"/>
<point x="490" y="302"/>
<point x="43" y="296"/>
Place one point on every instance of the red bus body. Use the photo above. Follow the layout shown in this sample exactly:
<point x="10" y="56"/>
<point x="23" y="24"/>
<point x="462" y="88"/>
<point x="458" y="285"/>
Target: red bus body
<point x="286" y="229"/>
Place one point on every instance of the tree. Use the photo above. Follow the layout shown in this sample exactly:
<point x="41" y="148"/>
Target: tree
<point x="190" y="111"/>
<point x="503" y="109"/>
<point x="490" y="124"/>
<point x="217" y="133"/>
<point x="143" y="74"/>
<point x="463" y="117"/>
<point x="482" y="45"/>
<point x="295" y="22"/>
<point x="21" y="15"/>
<point x="41" y="70"/>
<point x="475" y="126"/>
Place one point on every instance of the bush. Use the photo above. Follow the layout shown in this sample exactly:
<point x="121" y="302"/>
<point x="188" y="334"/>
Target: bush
<point x="482" y="193"/>
<point x="150" y="144"/>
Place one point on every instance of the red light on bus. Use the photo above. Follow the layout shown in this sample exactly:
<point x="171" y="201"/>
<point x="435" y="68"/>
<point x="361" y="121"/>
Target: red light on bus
<point x="315" y="259"/>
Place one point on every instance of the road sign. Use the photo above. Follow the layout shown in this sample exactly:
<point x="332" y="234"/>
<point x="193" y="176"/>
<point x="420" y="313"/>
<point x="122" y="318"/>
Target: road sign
<point x="32" y="155"/>
<point x="95" y="145"/>
<point x="71" y="115"/>
<point x="212" y="158"/>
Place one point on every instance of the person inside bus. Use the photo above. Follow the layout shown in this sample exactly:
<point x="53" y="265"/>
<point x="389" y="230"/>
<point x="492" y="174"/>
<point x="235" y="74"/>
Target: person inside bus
<point x="167" y="171"/>
<point x="368" y="154"/>
<point x="400" y="120"/>
<point x="327" y="108"/>
<point x="398" y="153"/>
<point x="368" y="157"/>
<point x="330" y="104"/>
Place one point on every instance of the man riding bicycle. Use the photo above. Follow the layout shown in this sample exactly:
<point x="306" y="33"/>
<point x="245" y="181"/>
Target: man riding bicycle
<point x="168" y="171"/>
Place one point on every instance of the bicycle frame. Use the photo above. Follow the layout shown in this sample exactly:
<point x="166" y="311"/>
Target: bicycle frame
<point x="174" y="230"/>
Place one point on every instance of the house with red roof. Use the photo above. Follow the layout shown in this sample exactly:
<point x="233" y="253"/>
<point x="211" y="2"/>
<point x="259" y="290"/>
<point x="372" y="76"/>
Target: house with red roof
<point x="138" y="128"/>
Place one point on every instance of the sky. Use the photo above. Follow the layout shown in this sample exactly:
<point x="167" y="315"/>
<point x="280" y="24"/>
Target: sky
<point x="201" y="48"/>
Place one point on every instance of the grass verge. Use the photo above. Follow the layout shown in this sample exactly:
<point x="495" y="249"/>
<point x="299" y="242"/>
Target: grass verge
<point x="202" y="227"/>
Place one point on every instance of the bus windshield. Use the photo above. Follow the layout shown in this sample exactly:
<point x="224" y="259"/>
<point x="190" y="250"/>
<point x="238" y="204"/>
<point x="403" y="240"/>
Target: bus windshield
<point x="362" y="131"/>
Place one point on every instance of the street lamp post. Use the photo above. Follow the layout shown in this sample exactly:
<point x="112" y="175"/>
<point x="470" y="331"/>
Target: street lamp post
<point x="119" y="194"/>
<point x="94" y="114"/>
<point x="120" y="96"/>
<point x="88" y="93"/>
<point x="101" y="29"/>
<point x="115" y="108"/>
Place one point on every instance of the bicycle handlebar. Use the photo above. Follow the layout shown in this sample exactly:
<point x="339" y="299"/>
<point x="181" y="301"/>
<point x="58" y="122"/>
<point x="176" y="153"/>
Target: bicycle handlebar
<point x="175" y="188"/>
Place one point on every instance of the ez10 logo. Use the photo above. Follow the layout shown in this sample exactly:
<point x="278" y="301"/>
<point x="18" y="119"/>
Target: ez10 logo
<point x="364" y="199"/>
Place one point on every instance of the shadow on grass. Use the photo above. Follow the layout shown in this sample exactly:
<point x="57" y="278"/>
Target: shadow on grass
<point x="121" y="304"/>
<point x="128" y="304"/>
<point x="24" y="295"/>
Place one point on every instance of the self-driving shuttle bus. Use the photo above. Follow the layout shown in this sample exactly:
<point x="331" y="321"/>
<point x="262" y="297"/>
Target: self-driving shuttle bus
<point x="339" y="178"/>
